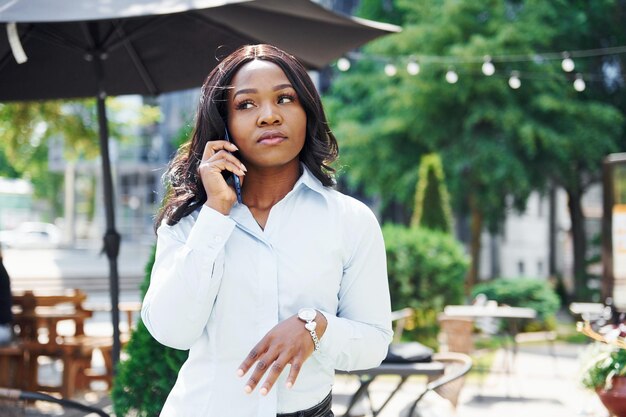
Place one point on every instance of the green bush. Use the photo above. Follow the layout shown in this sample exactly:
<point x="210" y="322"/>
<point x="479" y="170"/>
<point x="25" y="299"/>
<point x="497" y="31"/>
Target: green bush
<point x="426" y="271"/>
<point x="145" y="379"/>
<point x="522" y="292"/>
<point x="426" y="268"/>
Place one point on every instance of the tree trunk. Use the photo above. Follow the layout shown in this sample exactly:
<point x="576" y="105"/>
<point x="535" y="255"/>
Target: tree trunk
<point x="552" y="268"/>
<point x="476" y="228"/>
<point x="579" y="240"/>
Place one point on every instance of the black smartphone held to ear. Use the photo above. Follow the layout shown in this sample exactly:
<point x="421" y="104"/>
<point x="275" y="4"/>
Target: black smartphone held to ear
<point x="236" y="180"/>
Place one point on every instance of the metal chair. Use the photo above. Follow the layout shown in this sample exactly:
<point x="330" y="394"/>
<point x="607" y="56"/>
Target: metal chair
<point x="448" y="385"/>
<point x="13" y="402"/>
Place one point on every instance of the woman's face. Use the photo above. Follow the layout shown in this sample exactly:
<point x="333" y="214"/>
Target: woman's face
<point x="265" y="117"/>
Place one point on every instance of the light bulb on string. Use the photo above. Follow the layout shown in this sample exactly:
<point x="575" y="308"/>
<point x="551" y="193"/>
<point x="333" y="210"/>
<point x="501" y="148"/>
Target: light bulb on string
<point x="579" y="83"/>
<point x="567" y="64"/>
<point x="390" y="70"/>
<point x="514" y="81"/>
<point x="343" y="64"/>
<point x="413" y="67"/>
<point x="488" y="68"/>
<point x="451" y="76"/>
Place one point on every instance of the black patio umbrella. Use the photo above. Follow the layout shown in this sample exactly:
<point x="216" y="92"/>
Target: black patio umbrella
<point x="72" y="49"/>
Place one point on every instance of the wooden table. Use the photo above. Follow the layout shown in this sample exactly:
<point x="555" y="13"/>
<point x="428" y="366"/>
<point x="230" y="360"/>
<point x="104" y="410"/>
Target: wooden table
<point x="46" y="319"/>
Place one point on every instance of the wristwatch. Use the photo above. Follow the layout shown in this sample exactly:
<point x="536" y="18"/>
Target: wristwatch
<point x="307" y="315"/>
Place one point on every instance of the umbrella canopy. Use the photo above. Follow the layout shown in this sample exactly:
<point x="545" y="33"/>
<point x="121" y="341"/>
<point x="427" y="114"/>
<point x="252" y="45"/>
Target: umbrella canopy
<point x="72" y="49"/>
<point x="149" y="47"/>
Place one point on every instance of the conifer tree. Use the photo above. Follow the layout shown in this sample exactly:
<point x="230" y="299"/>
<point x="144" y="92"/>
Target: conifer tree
<point x="145" y="379"/>
<point x="432" y="202"/>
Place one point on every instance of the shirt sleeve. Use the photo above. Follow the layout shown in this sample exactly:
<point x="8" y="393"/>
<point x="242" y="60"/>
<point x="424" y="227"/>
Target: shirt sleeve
<point x="358" y="335"/>
<point x="185" y="278"/>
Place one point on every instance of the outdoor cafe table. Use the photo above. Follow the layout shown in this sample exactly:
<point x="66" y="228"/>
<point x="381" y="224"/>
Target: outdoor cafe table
<point x="510" y="314"/>
<point x="47" y="318"/>
<point x="499" y="312"/>
<point x="591" y="311"/>
<point x="44" y="320"/>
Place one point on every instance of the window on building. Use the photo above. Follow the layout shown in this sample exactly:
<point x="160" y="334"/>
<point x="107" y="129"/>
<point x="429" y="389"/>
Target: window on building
<point x="540" y="268"/>
<point x="520" y="267"/>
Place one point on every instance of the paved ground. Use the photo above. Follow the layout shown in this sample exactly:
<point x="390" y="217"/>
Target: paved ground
<point x="539" y="386"/>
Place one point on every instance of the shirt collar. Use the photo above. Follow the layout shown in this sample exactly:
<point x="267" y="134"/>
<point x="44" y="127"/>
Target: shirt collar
<point x="309" y="180"/>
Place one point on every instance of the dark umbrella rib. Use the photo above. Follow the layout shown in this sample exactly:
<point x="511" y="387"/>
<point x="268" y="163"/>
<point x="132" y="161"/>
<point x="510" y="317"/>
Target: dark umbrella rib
<point x="143" y="29"/>
<point x="138" y="63"/>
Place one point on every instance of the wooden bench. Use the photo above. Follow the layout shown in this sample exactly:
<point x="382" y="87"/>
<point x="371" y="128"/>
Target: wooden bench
<point x="37" y="316"/>
<point x="12" y="365"/>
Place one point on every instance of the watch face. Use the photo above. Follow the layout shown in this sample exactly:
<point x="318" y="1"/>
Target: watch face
<point x="307" y="314"/>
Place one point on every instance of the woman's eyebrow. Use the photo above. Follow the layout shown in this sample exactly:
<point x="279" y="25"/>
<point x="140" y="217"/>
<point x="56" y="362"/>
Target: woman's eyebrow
<point x="254" y="90"/>
<point x="282" y="87"/>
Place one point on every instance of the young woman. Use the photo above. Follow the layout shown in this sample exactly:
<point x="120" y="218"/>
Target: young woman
<point x="273" y="293"/>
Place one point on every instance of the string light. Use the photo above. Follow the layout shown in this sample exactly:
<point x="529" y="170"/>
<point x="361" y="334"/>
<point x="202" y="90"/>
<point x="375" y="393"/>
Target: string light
<point x="451" y="76"/>
<point x="390" y="70"/>
<point x="414" y="63"/>
<point x="488" y="68"/>
<point x="413" y="67"/>
<point x="514" y="81"/>
<point x="343" y="64"/>
<point x="567" y="64"/>
<point x="579" y="83"/>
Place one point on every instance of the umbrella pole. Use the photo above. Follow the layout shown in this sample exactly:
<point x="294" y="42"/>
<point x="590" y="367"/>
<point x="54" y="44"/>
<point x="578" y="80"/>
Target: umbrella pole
<point x="111" y="236"/>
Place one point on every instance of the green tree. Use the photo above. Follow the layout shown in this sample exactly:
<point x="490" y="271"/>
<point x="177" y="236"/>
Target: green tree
<point x="432" y="203"/>
<point x="27" y="127"/>
<point x="498" y="144"/>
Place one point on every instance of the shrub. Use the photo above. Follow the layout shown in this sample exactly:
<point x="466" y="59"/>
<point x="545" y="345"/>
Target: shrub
<point x="426" y="268"/>
<point x="426" y="271"/>
<point x="145" y="379"/>
<point x="522" y="292"/>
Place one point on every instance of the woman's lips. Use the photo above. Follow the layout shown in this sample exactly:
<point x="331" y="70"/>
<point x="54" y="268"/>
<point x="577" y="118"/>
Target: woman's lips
<point x="275" y="140"/>
<point x="272" y="138"/>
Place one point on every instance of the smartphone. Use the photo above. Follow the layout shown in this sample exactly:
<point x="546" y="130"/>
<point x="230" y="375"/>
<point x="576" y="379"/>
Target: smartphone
<point x="236" y="181"/>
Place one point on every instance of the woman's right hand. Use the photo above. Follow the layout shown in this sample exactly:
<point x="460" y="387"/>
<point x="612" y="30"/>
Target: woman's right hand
<point x="216" y="158"/>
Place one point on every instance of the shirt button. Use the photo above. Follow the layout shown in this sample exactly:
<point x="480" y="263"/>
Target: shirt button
<point x="217" y="239"/>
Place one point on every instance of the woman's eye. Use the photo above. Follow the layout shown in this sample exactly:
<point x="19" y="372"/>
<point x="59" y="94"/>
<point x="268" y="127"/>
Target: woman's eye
<point x="244" y="105"/>
<point x="286" y="98"/>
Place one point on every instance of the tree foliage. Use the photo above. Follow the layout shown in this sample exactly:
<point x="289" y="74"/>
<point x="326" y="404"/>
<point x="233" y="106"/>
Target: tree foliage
<point x="27" y="127"/>
<point x="498" y="144"/>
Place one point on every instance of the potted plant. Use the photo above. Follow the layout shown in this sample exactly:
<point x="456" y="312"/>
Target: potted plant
<point x="606" y="373"/>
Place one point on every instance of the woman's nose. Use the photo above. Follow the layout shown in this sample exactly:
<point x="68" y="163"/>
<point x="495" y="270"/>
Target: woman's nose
<point x="269" y="116"/>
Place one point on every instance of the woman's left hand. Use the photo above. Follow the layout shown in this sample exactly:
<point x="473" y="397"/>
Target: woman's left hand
<point x="288" y="343"/>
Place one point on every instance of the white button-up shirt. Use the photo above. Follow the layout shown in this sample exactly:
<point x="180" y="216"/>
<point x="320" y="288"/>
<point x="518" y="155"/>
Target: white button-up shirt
<point x="220" y="283"/>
